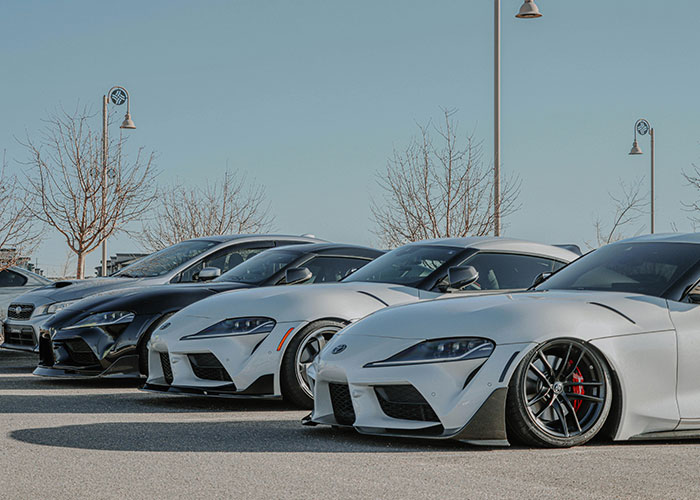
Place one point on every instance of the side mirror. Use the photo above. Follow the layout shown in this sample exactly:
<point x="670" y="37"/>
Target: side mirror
<point x="459" y="277"/>
<point x="297" y="275"/>
<point x="540" y="278"/>
<point x="208" y="274"/>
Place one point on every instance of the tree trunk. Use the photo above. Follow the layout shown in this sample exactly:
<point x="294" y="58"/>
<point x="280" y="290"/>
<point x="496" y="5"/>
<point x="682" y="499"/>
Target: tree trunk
<point x="80" y="271"/>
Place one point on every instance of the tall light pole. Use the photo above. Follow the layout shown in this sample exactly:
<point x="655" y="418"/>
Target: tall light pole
<point x="642" y="127"/>
<point x="528" y="10"/>
<point x="118" y="96"/>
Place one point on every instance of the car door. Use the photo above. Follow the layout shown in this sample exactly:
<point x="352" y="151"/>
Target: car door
<point x="686" y="319"/>
<point x="12" y="284"/>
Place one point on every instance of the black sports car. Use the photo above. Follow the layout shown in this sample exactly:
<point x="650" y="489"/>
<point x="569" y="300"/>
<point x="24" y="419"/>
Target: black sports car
<point x="107" y="335"/>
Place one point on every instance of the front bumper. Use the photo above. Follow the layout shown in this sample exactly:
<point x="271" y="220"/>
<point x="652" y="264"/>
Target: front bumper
<point x="234" y="366"/>
<point x="92" y="352"/>
<point x="462" y="400"/>
<point x="22" y="335"/>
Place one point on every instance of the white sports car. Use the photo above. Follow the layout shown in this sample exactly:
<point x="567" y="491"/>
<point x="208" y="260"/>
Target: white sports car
<point x="260" y="342"/>
<point x="608" y="345"/>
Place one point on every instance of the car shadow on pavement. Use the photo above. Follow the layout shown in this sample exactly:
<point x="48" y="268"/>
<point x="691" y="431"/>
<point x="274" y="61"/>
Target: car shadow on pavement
<point x="131" y="402"/>
<point x="248" y="436"/>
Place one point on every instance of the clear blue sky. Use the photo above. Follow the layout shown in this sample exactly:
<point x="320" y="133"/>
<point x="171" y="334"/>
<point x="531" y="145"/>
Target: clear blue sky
<point x="310" y="97"/>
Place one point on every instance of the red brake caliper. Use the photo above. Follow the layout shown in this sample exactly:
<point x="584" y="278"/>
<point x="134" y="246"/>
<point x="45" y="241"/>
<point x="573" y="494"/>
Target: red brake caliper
<point x="577" y="389"/>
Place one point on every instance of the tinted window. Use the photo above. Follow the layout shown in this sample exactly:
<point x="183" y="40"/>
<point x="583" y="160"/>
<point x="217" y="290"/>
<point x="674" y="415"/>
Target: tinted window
<point x="261" y="267"/>
<point x="165" y="260"/>
<point x="332" y="269"/>
<point x="11" y="278"/>
<point x="225" y="259"/>
<point x="508" y="271"/>
<point x="407" y="265"/>
<point x="646" y="268"/>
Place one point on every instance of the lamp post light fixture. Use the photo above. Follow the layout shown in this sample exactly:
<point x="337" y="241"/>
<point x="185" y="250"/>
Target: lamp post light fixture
<point x="642" y="127"/>
<point x="118" y="95"/>
<point x="528" y="10"/>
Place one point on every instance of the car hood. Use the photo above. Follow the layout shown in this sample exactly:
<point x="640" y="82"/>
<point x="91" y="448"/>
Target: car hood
<point x="346" y="301"/>
<point x="158" y="299"/>
<point x="521" y="317"/>
<point x="77" y="289"/>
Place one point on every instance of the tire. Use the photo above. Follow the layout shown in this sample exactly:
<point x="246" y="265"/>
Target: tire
<point x="301" y="351"/>
<point x="142" y="347"/>
<point x="559" y="396"/>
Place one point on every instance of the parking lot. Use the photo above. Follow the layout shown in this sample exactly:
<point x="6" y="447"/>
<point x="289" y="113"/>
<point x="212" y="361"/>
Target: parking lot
<point x="73" y="439"/>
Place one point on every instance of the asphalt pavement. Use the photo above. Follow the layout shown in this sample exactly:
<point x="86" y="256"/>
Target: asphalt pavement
<point x="106" y="439"/>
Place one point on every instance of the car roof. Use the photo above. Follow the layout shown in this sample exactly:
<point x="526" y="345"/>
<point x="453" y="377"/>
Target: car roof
<point x="664" y="238"/>
<point x="231" y="237"/>
<point x="499" y="243"/>
<point x="338" y="249"/>
<point x="27" y="272"/>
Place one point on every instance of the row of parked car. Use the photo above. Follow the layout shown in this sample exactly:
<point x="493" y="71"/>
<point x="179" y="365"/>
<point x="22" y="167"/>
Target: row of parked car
<point x="486" y="340"/>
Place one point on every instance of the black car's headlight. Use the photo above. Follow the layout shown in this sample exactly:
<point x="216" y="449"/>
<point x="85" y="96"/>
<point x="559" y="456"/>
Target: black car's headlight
<point x="234" y="326"/>
<point x="436" y="351"/>
<point x="114" y="322"/>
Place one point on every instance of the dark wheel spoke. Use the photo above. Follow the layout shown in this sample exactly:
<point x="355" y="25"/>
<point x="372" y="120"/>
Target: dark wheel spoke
<point x="562" y="418"/>
<point x="546" y="363"/>
<point x="539" y="397"/>
<point x="585" y="384"/>
<point x="572" y="411"/>
<point x="572" y="370"/>
<point x="564" y="362"/>
<point x="540" y="374"/>
<point x="584" y="397"/>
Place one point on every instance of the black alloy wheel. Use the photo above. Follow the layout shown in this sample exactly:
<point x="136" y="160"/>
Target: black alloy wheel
<point x="559" y="396"/>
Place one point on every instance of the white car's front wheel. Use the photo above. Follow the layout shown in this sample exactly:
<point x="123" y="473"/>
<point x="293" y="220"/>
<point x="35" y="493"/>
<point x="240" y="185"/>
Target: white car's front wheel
<point x="300" y="353"/>
<point x="559" y="396"/>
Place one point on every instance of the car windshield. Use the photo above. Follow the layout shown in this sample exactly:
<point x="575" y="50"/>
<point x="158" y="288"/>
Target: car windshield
<point x="407" y="265"/>
<point x="260" y="267"/>
<point x="165" y="260"/>
<point x="645" y="268"/>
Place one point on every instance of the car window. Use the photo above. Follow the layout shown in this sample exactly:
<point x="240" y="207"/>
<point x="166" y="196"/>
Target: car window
<point x="638" y="267"/>
<point x="224" y="259"/>
<point x="332" y="269"/>
<point x="407" y="265"/>
<point x="165" y="260"/>
<point x="11" y="278"/>
<point x="502" y="271"/>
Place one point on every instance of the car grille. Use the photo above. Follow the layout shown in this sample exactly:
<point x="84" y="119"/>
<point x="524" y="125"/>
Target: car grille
<point x="167" y="370"/>
<point x="404" y="402"/>
<point x="20" y="311"/>
<point x="342" y="404"/>
<point x="208" y="367"/>
<point x="80" y="353"/>
<point x="22" y="336"/>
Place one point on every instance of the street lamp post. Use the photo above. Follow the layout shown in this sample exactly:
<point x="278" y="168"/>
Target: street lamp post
<point x="527" y="11"/>
<point x="118" y="96"/>
<point x="641" y="127"/>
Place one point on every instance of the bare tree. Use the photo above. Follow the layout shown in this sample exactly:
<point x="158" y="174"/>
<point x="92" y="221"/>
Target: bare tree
<point x="438" y="188"/>
<point x="629" y="207"/>
<point x="693" y="179"/>
<point x="65" y="183"/>
<point x="229" y="206"/>
<point x="19" y="234"/>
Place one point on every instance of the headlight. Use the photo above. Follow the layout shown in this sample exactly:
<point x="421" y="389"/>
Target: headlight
<point x="55" y="307"/>
<point x="436" y="351"/>
<point x="104" y="319"/>
<point x="234" y="326"/>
